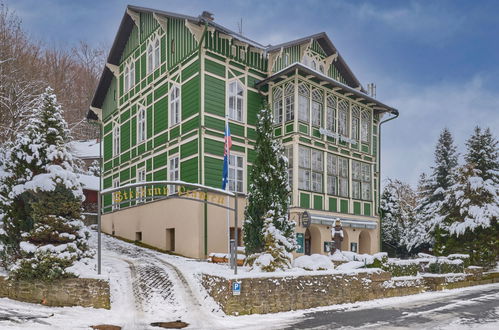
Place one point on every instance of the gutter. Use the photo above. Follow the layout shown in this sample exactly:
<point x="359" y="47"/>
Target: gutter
<point x="396" y="114"/>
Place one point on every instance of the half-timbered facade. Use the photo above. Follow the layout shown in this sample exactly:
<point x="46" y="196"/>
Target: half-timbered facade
<point x="170" y="82"/>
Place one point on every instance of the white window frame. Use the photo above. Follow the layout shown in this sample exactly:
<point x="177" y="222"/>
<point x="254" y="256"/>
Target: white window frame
<point x="311" y="169"/>
<point x="116" y="140"/>
<point x="343" y="177"/>
<point x="126" y="79"/>
<point x="343" y="126"/>
<point x="365" y="126"/>
<point x="173" y="172"/>
<point x="289" y="101"/>
<point x="233" y="94"/>
<point x="331" y="113"/>
<point x="278" y="105"/>
<point x="317" y="107"/>
<point x="288" y="152"/>
<point x="141" y="125"/>
<point x="304" y="103"/>
<point x="141" y="177"/>
<point x="174" y="106"/>
<point x="236" y="172"/>
<point x="355" y="130"/>
<point x="116" y="184"/>
<point x="361" y="181"/>
<point x="153" y="54"/>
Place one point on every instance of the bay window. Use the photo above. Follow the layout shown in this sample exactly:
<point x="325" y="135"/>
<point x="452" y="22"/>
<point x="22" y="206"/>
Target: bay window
<point x="355" y="122"/>
<point x="304" y="168"/>
<point x="365" y="132"/>
<point x="311" y="167"/>
<point x="277" y="105"/>
<point x="289" y="101"/>
<point x="361" y="180"/>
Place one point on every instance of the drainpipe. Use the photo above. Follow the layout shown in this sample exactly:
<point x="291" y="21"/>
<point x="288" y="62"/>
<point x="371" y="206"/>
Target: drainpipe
<point x="396" y="114"/>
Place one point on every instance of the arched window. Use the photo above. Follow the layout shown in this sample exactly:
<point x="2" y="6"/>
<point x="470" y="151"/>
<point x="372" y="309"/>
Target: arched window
<point x="126" y="78"/>
<point x="343" y="118"/>
<point x="314" y="65"/>
<point x="174" y="105"/>
<point x="355" y="122"/>
<point x="317" y="106"/>
<point x="156" y="53"/>
<point x="365" y="132"/>
<point x="141" y="125"/>
<point x="131" y="82"/>
<point x="321" y="68"/>
<point x="289" y="101"/>
<point x="277" y="105"/>
<point x="236" y="100"/>
<point x="150" y="60"/>
<point x="303" y="102"/>
<point x="331" y="114"/>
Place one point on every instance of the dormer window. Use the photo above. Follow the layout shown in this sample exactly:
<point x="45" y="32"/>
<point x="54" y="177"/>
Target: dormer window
<point x="153" y="54"/>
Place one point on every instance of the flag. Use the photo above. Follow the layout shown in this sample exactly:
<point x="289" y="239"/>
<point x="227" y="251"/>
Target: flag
<point x="227" y="146"/>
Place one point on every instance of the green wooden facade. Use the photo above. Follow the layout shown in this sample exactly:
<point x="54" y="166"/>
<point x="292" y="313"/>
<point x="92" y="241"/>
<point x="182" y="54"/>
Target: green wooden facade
<point x="202" y="59"/>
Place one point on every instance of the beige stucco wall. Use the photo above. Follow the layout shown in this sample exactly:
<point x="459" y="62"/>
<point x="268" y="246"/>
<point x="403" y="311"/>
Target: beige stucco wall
<point x="185" y="216"/>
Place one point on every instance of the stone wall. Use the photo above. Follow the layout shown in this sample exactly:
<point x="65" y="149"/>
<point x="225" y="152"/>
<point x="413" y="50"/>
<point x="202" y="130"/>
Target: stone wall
<point x="67" y="292"/>
<point x="279" y="294"/>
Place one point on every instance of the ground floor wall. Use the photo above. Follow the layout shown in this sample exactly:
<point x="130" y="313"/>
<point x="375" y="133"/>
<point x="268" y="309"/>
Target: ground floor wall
<point x="186" y="227"/>
<point x="190" y="228"/>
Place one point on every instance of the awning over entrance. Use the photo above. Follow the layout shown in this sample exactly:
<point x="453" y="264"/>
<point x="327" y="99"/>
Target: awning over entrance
<point x="330" y="221"/>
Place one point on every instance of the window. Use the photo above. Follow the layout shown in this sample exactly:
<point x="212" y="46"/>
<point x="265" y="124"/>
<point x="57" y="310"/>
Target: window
<point x="172" y="46"/>
<point x="317" y="101"/>
<point x="343" y="118"/>
<point x="303" y="102"/>
<point x="332" y="174"/>
<point x="116" y="140"/>
<point x="153" y="54"/>
<point x="355" y="122"/>
<point x="311" y="166"/>
<point x="343" y="176"/>
<point x="126" y="78"/>
<point x="174" y="105"/>
<point x="236" y="98"/>
<point x="289" y="101"/>
<point x="286" y="59"/>
<point x="173" y="173"/>
<point x="331" y="114"/>
<point x="361" y="180"/>
<point x="236" y="173"/>
<point x="317" y="170"/>
<point x="243" y="54"/>
<point x="365" y="132"/>
<point x="116" y="203"/>
<point x="277" y="105"/>
<point x="141" y="125"/>
<point x="288" y="152"/>
<point x="140" y="191"/>
<point x="304" y="168"/>
<point x="233" y="50"/>
<point x="314" y="65"/>
<point x="321" y="68"/>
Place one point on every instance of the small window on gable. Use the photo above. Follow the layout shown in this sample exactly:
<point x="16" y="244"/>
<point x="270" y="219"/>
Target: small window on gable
<point x="243" y="54"/>
<point x="150" y="59"/>
<point x="233" y="50"/>
<point x="286" y="59"/>
<point x="153" y="54"/>
<point x="156" y="53"/>
<point x="172" y="46"/>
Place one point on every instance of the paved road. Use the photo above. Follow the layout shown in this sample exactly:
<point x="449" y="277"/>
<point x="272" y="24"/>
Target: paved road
<point x="466" y="309"/>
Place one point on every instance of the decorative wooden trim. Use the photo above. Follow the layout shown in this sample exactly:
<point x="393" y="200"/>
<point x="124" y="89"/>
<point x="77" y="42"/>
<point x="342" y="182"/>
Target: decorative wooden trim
<point x="196" y="30"/>
<point x="225" y="36"/>
<point x="114" y="69"/>
<point x="162" y="21"/>
<point x="134" y="16"/>
<point x="97" y="111"/>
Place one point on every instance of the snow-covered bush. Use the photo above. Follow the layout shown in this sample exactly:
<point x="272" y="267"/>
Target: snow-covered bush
<point x="40" y="198"/>
<point x="275" y="255"/>
<point x="313" y="262"/>
<point x="338" y="256"/>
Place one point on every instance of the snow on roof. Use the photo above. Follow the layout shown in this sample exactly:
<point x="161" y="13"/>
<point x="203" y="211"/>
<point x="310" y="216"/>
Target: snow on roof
<point x="89" y="182"/>
<point x="85" y="149"/>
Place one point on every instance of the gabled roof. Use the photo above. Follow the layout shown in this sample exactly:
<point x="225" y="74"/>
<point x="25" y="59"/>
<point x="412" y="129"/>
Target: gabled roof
<point x="378" y="106"/>
<point x="328" y="46"/>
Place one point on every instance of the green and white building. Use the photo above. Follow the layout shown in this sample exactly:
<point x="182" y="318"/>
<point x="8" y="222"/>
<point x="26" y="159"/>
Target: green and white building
<point x="168" y="85"/>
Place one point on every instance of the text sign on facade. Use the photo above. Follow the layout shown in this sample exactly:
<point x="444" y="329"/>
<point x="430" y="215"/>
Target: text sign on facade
<point x="236" y="288"/>
<point x="305" y="219"/>
<point x="300" y="242"/>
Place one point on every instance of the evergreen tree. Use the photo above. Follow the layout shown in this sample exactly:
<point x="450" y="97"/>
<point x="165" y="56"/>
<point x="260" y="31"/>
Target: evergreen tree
<point x="418" y="237"/>
<point x="41" y="198"/>
<point x="390" y="217"/>
<point x="443" y="176"/>
<point x="269" y="190"/>
<point x="94" y="168"/>
<point x="471" y="206"/>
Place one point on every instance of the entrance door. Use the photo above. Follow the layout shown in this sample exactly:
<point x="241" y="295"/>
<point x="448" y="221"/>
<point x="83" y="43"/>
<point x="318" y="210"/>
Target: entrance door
<point x="170" y="239"/>
<point x="308" y="242"/>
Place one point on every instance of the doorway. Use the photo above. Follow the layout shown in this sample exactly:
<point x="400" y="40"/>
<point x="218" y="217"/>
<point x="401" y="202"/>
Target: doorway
<point x="308" y="242"/>
<point x="170" y="239"/>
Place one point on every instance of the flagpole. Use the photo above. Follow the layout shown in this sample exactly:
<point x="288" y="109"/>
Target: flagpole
<point x="227" y="188"/>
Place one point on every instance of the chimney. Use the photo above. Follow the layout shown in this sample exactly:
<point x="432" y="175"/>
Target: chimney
<point x="207" y="16"/>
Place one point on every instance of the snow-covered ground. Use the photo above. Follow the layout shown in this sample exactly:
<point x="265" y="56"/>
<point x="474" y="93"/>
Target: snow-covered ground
<point x="149" y="286"/>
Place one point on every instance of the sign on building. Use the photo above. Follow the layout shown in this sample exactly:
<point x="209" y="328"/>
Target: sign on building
<point x="300" y="242"/>
<point x="305" y="219"/>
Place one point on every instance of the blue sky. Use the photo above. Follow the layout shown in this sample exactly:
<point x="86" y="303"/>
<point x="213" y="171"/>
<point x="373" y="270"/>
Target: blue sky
<point x="435" y="61"/>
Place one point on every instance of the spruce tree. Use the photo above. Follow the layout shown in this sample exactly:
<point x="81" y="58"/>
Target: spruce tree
<point x="269" y="190"/>
<point x="443" y="176"/>
<point x="41" y="198"/>
<point x="472" y="203"/>
<point x="418" y="236"/>
<point x="390" y="217"/>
